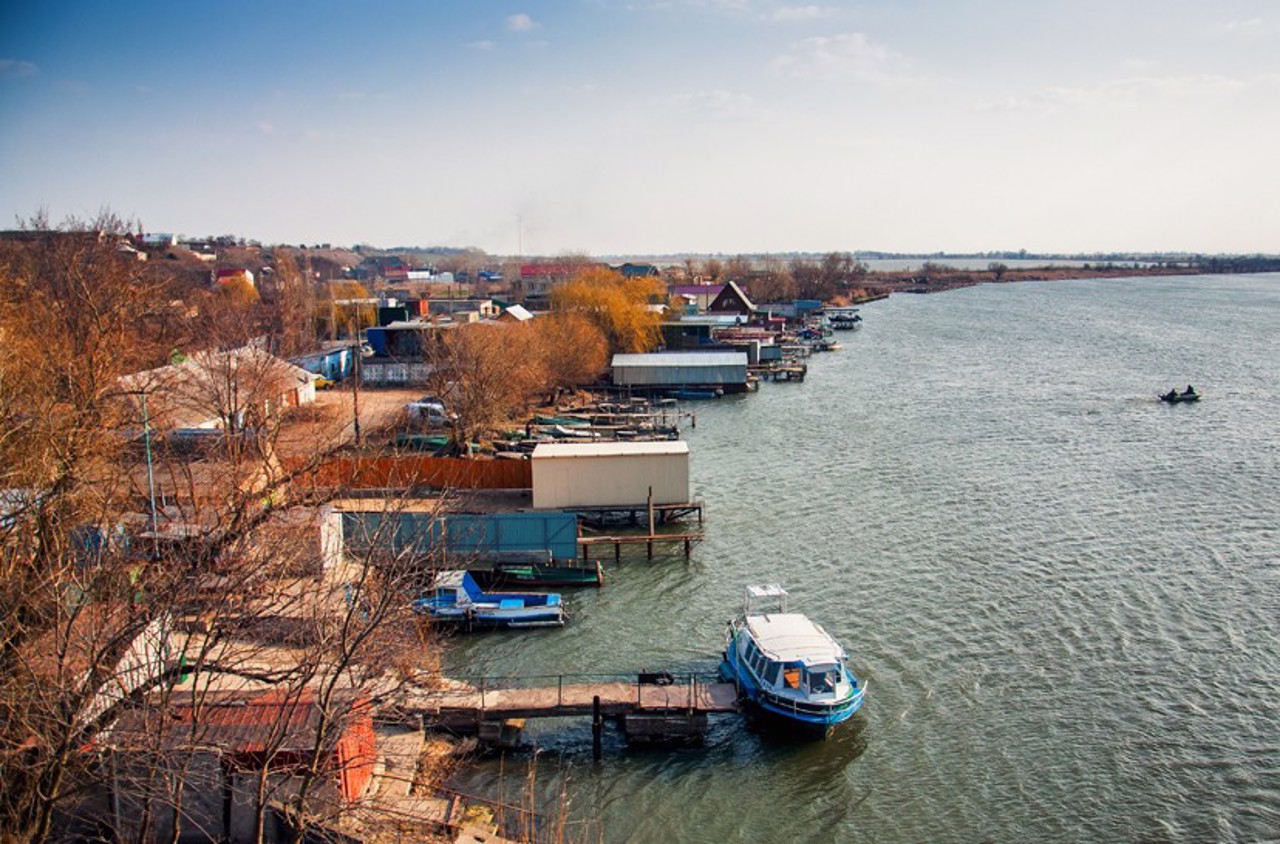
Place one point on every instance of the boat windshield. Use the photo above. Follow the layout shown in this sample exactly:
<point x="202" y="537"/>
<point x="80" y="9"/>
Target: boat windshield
<point x="823" y="679"/>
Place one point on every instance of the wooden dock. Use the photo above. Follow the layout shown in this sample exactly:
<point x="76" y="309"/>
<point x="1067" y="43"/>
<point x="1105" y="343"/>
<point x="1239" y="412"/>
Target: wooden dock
<point x="649" y="540"/>
<point x="470" y="706"/>
<point x="639" y="514"/>
<point x="652" y="706"/>
<point x="788" y="372"/>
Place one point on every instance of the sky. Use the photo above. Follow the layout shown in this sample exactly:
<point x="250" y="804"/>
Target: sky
<point x="634" y="127"/>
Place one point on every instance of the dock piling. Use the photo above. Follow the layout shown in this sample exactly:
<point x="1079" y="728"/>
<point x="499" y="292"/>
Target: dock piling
<point x="597" y="727"/>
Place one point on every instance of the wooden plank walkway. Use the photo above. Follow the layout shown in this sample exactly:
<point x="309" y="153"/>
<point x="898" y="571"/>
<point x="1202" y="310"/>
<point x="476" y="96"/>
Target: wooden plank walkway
<point x="616" y="698"/>
<point x="649" y="540"/>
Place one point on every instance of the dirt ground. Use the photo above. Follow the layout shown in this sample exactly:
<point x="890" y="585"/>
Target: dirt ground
<point x="329" y="423"/>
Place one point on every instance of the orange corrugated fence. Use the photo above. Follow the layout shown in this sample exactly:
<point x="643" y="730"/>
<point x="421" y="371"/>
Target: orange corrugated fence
<point x="413" y="471"/>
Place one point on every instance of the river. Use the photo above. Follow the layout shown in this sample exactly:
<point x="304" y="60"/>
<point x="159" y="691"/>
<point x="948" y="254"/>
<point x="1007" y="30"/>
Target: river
<point x="1064" y="594"/>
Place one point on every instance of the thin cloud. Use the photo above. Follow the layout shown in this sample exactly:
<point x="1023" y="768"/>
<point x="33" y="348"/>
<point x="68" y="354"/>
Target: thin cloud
<point x="16" y="69"/>
<point x="851" y="55"/>
<point x="482" y="45"/>
<point x="1249" y="26"/>
<point x="728" y="6"/>
<point x="717" y="105"/>
<point x="1140" y="65"/>
<point x="792" y="14"/>
<point x="521" y="23"/>
<point x="1136" y="91"/>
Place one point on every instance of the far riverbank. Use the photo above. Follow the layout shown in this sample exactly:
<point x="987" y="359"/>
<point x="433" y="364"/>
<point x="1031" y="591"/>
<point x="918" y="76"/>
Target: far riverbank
<point x="935" y="278"/>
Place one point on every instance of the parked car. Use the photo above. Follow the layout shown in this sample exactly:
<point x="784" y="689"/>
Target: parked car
<point x="323" y="383"/>
<point x="429" y="410"/>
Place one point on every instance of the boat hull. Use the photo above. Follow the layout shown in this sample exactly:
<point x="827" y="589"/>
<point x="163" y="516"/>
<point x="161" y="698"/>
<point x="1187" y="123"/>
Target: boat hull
<point x="485" y="618"/>
<point x="457" y="599"/>
<point x="537" y="576"/>
<point x="808" y="718"/>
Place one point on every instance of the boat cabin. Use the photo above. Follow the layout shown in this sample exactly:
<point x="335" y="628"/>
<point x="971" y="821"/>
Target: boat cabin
<point x="787" y="664"/>
<point x="789" y="644"/>
<point x="455" y="596"/>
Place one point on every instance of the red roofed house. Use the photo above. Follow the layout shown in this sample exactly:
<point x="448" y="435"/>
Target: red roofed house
<point x="230" y="274"/>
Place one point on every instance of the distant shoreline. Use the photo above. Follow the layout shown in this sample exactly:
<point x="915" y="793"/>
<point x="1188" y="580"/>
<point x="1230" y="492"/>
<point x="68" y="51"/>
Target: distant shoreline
<point x="878" y="284"/>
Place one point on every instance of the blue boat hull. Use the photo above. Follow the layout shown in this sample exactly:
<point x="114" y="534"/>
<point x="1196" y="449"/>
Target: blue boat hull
<point x="808" y="718"/>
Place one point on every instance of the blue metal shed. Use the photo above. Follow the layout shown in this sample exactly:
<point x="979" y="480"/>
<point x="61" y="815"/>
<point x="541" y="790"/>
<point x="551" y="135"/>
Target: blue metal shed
<point x="487" y="535"/>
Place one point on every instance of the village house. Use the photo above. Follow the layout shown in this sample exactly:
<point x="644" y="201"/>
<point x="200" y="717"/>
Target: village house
<point x="533" y="287"/>
<point x="231" y="275"/>
<point x="630" y="270"/>
<point x="693" y="298"/>
<point x="402" y="352"/>
<point x="217" y="390"/>
<point x="732" y="300"/>
<point x="514" y="313"/>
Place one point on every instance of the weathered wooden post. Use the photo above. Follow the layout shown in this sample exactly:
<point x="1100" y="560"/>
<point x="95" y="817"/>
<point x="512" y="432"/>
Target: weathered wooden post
<point x="597" y="726"/>
<point x="650" y="505"/>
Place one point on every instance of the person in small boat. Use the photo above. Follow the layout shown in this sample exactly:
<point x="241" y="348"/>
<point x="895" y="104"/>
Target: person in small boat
<point x="1190" y="391"/>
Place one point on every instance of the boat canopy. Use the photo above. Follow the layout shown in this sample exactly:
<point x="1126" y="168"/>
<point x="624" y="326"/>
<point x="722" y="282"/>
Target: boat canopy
<point x="459" y="580"/>
<point x="761" y="593"/>
<point x="792" y="637"/>
<point x="767" y="590"/>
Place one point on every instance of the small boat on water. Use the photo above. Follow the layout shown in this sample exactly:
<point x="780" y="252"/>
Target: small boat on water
<point x="845" y="322"/>
<point x="787" y="666"/>
<point x="695" y="393"/>
<point x="536" y="575"/>
<point x="1175" y="397"/>
<point x="456" y="597"/>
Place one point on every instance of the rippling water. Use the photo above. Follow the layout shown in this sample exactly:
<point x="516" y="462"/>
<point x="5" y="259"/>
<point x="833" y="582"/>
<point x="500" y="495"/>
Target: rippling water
<point x="1064" y="594"/>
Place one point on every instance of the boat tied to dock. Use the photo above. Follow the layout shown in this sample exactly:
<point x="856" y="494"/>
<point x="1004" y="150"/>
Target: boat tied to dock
<point x="456" y="597"/>
<point x="787" y="666"/>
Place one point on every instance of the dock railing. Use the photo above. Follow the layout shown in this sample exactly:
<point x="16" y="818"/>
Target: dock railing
<point x="689" y="680"/>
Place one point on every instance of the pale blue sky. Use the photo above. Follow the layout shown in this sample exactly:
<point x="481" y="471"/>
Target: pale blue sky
<point x="611" y="127"/>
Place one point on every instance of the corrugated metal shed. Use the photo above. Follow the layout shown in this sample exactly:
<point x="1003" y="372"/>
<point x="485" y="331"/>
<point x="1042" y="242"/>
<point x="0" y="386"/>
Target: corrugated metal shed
<point x="482" y="535"/>
<point x="679" y="359"/>
<point x="680" y="369"/>
<point x="587" y="475"/>
<point x="609" y="449"/>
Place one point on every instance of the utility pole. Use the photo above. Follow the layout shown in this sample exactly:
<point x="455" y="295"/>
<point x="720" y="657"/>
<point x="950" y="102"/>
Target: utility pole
<point x="151" y="482"/>
<point x="357" y="349"/>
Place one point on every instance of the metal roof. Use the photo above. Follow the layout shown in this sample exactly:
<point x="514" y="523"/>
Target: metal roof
<point x="279" y="720"/>
<point x="682" y="359"/>
<point x="792" y="637"/>
<point x="610" y="449"/>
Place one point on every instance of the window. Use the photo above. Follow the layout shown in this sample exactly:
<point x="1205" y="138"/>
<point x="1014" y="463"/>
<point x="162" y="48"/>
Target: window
<point x="823" y="680"/>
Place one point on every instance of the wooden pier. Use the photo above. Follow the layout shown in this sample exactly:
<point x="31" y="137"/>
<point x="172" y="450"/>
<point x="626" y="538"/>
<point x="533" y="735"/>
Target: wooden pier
<point x="650" y="706"/>
<point x="649" y="540"/>
<point x="634" y="514"/>
<point x="785" y="372"/>
<point x="657" y="514"/>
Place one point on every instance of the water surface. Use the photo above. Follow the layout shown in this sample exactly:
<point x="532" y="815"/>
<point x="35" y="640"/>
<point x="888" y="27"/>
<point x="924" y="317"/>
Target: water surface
<point x="1063" y="593"/>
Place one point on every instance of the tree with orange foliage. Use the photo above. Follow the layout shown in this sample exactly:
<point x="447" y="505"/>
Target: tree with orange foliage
<point x="239" y="292"/>
<point x="349" y="306"/>
<point x="486" y="375"/>
<point x="618" y="306"/>
<point x="572" y="347"/>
